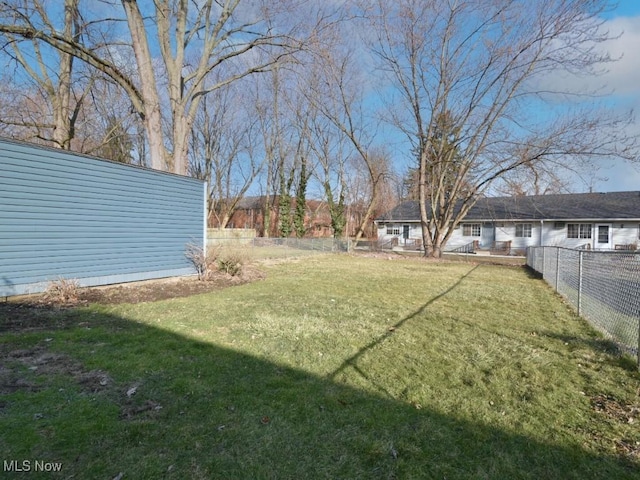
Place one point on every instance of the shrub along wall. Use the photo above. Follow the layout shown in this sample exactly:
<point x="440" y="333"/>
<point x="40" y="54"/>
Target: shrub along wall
<point x="65" y="215"/>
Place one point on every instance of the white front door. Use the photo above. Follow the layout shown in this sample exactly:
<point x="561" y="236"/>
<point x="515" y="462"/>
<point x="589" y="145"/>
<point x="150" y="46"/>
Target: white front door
<point x="603" y="236"/>
<point x="488" y="235"/>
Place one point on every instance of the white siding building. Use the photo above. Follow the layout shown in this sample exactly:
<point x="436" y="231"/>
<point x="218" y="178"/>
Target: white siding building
<point x="602" y="221"/>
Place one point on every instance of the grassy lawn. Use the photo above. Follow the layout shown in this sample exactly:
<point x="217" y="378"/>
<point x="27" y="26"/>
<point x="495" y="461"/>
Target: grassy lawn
<point x="332" y="367"/>
<point x="265" y="248"/>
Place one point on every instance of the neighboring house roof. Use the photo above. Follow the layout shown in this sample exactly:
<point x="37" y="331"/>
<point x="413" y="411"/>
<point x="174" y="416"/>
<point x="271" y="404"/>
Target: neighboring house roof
<point x="573" y="206"/>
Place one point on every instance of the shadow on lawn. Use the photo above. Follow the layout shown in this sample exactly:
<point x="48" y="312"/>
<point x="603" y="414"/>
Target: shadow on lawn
<point x="353" y="360"/>
<point x="202" y="411"/>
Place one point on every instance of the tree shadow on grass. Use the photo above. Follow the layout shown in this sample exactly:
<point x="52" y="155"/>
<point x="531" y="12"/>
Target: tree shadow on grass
<point x="352" y="362"/>
<point x="166" y="406"/>
<point x="617" y="354"/>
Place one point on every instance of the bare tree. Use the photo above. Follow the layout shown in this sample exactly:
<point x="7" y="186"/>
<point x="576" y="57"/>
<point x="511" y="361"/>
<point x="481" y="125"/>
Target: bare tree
<point x="223" y="150"/>
<point x="31" y="110"/>
<point x="265" y="97"/>
<point x="330" y="170"/>
<point x="364" y="199"/>
<point x="111" y="129"/>
<point x="481" y="65"/>
<point x="53" y="80"/>
<point x="532" y="180"/>
<point x="339" y="97"/>
<point x="24" y="112"/>
<point x="276" y="104"/>
<point x="194" y="39"/>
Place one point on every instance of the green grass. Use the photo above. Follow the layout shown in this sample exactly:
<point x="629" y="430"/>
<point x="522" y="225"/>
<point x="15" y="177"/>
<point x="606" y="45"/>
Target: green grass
<point x="270" y="252"/>
<point x="257" y="253"/>
<point x="332" y="367"/>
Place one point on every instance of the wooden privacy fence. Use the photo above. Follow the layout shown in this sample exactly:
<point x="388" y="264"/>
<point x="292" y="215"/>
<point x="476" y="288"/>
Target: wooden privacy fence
<point x="71" y="216"/>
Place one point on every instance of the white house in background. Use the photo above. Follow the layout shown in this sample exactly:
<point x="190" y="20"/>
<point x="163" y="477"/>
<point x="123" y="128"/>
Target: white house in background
<point x="604" y="221"/>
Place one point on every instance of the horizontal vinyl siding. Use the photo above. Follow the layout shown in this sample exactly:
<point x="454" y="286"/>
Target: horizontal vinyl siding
<point x="99" y="222"/>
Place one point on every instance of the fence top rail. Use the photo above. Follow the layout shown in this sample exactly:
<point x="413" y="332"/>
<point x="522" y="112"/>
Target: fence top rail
<point x="233" y="238"/>
<point x="583" y="250"/>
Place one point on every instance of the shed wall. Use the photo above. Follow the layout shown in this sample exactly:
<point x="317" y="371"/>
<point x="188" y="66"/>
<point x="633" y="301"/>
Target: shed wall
<point x="70" y="216"/>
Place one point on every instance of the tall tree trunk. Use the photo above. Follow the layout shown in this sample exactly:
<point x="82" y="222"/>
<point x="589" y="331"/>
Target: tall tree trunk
<point x="181" y="132"/>
<point x="152" y="116"/>
<point x="336" y="210"/>
<point x="301" y="200"/>
<point x="224" y="221"/>
<point x="284" y="203"/>
<point x="365" y="220"/>
<point x="425" y="224"/>
<point x="266" y="212"/>
<point x="62" y="132"/>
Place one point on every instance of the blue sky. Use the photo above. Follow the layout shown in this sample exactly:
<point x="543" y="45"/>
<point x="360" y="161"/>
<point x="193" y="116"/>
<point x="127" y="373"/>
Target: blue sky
<point x="623" y="78"/>
<point x="627" y="8"/>
<point x="621" y="84"/>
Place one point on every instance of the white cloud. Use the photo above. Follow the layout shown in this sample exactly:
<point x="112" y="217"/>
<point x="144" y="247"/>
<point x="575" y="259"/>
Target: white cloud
<point x="620" y="176"/>
<point x="622" y="79"/>
<point x="620" y="90"/>
<point x="622" y="75"/>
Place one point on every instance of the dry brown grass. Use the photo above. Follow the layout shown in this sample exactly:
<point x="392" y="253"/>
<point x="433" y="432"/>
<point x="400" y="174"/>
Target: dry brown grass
<point x="62" y="292"/>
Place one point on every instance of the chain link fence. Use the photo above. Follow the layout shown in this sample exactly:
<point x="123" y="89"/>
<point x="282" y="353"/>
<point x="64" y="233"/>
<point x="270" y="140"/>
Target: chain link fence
<point x="271" y="248"/>
<point x="604" y="287"/>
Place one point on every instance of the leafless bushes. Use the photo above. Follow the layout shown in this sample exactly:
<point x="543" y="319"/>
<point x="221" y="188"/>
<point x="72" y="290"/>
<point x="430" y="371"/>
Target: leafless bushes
<point x="203" y="261"/>
<point x="62" y="292"/>
<point x="231" y="263"/>
<point x="212" y="261"/>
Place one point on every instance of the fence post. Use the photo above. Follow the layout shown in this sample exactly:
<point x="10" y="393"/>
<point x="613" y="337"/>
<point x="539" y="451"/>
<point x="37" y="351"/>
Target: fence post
<point x="544" y="249"/>
<point x="580" y="282"/>
<point x="557" y="267"/>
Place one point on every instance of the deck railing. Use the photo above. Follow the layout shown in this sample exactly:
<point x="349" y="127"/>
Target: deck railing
<point x="470" y="247"/>
<point x="501" y="248"/>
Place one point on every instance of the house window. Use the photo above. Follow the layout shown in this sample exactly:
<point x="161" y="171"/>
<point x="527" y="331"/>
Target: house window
<point x="471" y="230"/>
<point x="393" y="230"/>
<point x="578" y="230"/>
<point x="523" y="230"/>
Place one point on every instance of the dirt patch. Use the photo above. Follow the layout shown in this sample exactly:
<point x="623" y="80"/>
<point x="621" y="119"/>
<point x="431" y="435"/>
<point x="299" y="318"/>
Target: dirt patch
<point x="35" y="312"/>
<point x="629" y="449"/>
<point x="624" y="413"/>
<point x="11" y="381"/>
<point x="615" y="409"/>
<point x="150" y="290"/>
<point x="21" y="367"/>
<point x="31" y="370"/>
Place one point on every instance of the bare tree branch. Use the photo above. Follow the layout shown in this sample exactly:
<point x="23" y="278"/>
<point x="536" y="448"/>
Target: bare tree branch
<point x="468" y="74"/>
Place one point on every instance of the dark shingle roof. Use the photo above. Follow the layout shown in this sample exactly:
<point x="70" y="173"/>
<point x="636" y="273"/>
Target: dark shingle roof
<point x="575" y="206"/>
